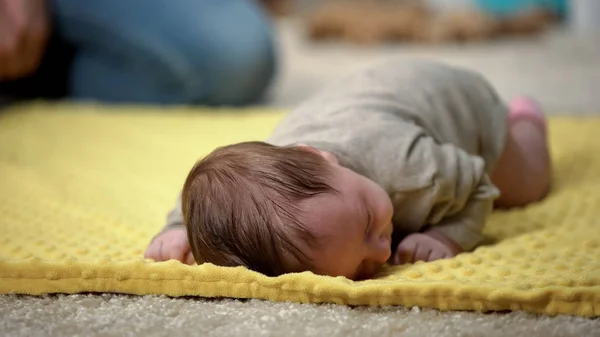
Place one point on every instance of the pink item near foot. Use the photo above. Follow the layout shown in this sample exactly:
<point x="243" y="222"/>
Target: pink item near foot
<point x="527" y="108"/>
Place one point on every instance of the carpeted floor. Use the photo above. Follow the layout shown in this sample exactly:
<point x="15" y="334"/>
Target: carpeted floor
<point x="306" y="67"/>
<point x="118" y="315"/>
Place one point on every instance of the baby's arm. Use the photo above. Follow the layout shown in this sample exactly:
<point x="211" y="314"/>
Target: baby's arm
<point x="452" y="201"/>
<point x="171" y="242"/>
<point x="452" y="236"/>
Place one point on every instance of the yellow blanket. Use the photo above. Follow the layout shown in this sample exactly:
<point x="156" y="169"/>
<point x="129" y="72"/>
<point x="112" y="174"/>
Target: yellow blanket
<point x="84" y="188"/>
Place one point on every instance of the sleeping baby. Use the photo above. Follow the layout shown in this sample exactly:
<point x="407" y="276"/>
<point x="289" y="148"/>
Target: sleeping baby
<point x="400" y="162"/>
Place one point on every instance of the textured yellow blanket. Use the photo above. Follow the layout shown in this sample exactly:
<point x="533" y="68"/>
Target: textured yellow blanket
<point x="84" y="188"/>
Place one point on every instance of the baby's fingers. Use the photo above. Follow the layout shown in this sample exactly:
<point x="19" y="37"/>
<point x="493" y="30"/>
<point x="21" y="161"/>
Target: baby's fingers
<point x="405" y="253"/>
<point x="422" y="253"/>
<point x="153" y="250"/>
<point x="437" y="254"/>
<point x="177" y="250"/>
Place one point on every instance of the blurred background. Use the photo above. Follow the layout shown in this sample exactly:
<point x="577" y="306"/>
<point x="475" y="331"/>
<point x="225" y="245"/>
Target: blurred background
<point x="549" y="49"/>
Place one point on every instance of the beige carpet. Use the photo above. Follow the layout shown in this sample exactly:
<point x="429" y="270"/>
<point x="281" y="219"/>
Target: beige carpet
<point x="118" y="315"/>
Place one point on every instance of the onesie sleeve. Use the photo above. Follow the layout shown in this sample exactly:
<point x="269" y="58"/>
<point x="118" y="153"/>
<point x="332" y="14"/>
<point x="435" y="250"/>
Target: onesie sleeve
<point x="444" y="187"/>
<point x="465" y="227"/>
<point x="174" y="217"/>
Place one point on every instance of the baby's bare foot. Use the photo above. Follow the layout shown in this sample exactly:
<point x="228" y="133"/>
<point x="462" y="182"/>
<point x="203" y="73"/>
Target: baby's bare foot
<point x="170" y="245"/>
<point x="529" y="128"/>
<point x="524" y="171"/>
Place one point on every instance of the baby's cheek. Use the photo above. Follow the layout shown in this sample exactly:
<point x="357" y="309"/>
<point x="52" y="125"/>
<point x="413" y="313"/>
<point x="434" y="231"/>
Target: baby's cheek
<point x="341" y="267"/>
<point x="386" y="208"/>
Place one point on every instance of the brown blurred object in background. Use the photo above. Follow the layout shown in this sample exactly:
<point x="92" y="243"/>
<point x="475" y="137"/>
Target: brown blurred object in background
<point x="376" y="21"/>
<point x="367" y="22"/>
<point x="529" y="22"/>
<point x="277" y="8"/>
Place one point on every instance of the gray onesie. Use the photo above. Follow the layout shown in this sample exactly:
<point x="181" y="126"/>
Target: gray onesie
<point x="428" y="133"/>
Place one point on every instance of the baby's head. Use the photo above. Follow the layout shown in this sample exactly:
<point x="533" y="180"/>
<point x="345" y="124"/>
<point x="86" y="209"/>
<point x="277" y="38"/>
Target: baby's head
<point x="277" y="210"/>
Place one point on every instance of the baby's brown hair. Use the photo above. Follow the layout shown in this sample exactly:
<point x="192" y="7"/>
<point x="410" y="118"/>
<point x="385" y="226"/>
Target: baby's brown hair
<point x="241" y="206"/>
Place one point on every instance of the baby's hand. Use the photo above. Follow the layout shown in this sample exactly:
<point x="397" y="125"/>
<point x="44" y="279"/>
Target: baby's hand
<point x="172" y="244"/>
<point x="425" y="247"/>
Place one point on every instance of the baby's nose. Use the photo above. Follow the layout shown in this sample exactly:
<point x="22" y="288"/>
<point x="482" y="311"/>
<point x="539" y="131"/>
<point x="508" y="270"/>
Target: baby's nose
<point x="381" y="250"/>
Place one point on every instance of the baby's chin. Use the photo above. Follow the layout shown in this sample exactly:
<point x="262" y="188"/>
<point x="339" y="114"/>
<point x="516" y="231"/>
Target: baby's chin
<point x="372" y="272"/>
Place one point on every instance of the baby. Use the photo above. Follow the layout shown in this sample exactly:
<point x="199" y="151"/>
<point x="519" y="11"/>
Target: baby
<point x="397" y="163"/>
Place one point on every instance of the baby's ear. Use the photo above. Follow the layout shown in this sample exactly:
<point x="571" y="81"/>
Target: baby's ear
<point x="328" y="156"/>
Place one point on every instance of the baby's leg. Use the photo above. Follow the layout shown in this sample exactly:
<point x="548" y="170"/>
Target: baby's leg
<point x="523" y="172"/>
